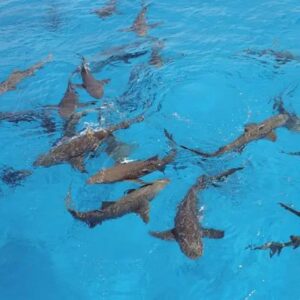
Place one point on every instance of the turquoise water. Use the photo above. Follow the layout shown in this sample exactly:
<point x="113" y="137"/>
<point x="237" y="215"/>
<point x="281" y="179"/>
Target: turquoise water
<point x="204" y="94"/>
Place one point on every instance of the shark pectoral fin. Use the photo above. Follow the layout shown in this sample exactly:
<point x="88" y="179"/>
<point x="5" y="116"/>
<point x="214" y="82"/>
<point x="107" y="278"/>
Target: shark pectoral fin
<point x="143" y="211"/>
<point x="168" y="235"/>
<point x="106" y="204"/>
<point x="79" y="85"/>
<point x="162" y="167"/>
<point x="272" y="136"/>
<point x="212" y="233"/>
<point x="138" y="181"/>
<point x="78" y="163"/>
<point x="129" y="191"/>
<point x="239" y="149"/>
<point x="154" y="25"/>
<point x="105" y="81"/>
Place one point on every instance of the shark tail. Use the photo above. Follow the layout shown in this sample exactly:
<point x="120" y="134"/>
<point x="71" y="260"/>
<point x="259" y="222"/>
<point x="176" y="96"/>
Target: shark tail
<point x="293" y="122"/>
<point x="173" y="143"/>
<point x="290" y="209"/>
<point x="204" y="180"/>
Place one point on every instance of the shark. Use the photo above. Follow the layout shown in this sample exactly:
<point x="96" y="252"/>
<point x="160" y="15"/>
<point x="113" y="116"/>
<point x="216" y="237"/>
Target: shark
<point x="135" y="201"/>
<point x="133" y="170"/>
<point x="107" y="10"/>
<point x="187" y="231"/>
<point x="16" y="77"/>
<point x="253" y="132"/>
<point x="94" y="87"/>
<point x="74" y="149"/>
<point x="276" y="247"/>
<point x="140" y="26"/>
<point x="70" y="102"/>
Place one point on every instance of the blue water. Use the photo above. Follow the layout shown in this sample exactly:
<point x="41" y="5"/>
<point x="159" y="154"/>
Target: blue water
<point x="204" y="94"/>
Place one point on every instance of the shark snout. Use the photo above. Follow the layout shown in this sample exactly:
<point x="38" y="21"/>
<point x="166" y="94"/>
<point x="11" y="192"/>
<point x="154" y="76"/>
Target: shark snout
<point x="98" y="178"/>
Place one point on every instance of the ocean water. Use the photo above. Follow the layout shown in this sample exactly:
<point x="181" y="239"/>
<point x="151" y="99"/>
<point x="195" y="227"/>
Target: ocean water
<point x="206" y="90"/>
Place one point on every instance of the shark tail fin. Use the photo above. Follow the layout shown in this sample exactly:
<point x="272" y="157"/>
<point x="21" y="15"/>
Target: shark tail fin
<point x="290" y="209"/>
<point x="293" y="122"/>
<point x="212" y="233"/>
<point x="68" y="198"/>
<point x="169" y="136"/>
<point x="295" y="240"/>
<point x="196" y="151"/>
<point x="168" y="235"/>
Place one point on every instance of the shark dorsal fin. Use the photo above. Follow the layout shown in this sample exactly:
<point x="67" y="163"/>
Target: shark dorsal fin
<point x="78" y="163"/>
<point x="168" y="235"/>
<point x="106" y="204"/>
<point x="212" y="233"/>
<point x="249" y="126"/>
<point x="129" y="191"/>
<point x="155" y="157"/>
<point x="271" y="136"/>
<point x="143" y="211"/>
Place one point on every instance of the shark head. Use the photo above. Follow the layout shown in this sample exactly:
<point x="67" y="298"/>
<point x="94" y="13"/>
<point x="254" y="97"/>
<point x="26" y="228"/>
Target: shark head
<point x="161" y="183"/>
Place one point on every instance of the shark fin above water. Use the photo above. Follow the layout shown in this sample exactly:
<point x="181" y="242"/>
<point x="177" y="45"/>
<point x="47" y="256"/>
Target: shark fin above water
<point x="212" y="233"/>
<point x="272" y="136"/>
<point x="143" y="211"/>
<point x="106" y="204"/>
<point x="168" y="235"/>
<point x="78" y="163"/>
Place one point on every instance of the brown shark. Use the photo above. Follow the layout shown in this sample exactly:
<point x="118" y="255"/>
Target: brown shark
<point x="281" y="57"/>
<point x="188" y="232"/>
<point x="140" y="26"/>
<point x="276" y="247"/>
<point x="17" y="76"/>
<point x="125" y="57"/>
<point x="132" y="170"/>
<point x="73" y="150"/>
<point x="93" y="86"/>
<point x="107" y="10"/>
<point x="136" y="201"/>
<point x="155" y="57"/>
<point x="14" y="177"/>
<point x="252" y="132"/>
<point x="30" y="116"/>
<point x="70" y="102"/>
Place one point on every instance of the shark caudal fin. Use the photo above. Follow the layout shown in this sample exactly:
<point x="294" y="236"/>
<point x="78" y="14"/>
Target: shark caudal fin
<point x="290" y="209"/>
<point x="293" y="122"/>
<point x="212" y="233"/>
<point x="295" y="240"/>
<point x="173" y="143"/>
<point x="168" y="235"/>
<point x="68" y="199"/>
